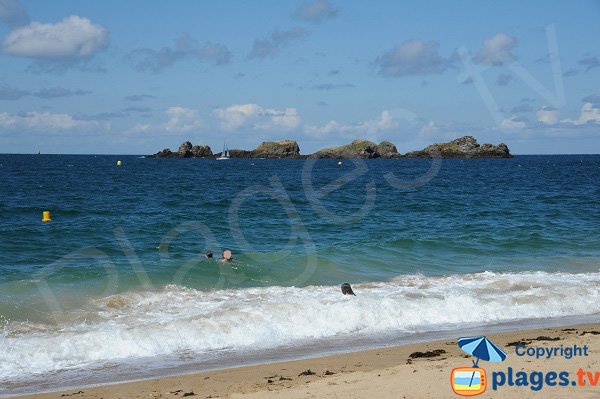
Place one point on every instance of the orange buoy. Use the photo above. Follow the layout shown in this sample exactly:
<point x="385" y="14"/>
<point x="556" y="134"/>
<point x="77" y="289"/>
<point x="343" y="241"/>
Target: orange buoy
<point x="46" y="216"/>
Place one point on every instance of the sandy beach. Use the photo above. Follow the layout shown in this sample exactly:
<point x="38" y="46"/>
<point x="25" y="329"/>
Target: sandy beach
<point x="396" y="372"/>
<point x="299" y="199"/>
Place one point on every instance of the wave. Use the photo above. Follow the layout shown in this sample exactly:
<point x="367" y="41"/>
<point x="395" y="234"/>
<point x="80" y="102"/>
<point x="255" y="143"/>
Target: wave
<point x="179" y="320"/>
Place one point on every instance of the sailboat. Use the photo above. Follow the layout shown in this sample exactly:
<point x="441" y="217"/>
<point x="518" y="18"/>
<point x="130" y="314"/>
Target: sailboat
<point x="224" y="154"/>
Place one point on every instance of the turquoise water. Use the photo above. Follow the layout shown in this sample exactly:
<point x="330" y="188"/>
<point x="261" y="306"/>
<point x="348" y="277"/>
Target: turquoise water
<point x="122" y="259"/>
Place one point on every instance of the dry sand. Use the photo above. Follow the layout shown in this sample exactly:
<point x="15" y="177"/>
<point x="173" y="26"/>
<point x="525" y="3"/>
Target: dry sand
<point x="380" y="373"/>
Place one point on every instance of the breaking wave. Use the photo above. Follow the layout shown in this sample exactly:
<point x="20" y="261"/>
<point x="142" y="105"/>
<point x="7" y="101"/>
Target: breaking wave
<point x="175" y="320"/>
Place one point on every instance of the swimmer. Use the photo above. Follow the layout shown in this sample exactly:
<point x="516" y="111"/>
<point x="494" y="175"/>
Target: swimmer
<point x="209" y="255"/>
<point x="227" y="256"/>
<point x="347" y="290"/>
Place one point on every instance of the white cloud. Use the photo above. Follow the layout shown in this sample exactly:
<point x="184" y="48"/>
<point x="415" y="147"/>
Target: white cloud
<point x="593" y="98"/>
<point x="497" y="50"/>
<point x="435" y="131"/>
<point x="589" y="114"/>
<point x="182" y="120"/>
<point x="514" y="122"/>
<point x="73" y="37"/>
<point x="236" y="116"/>
<point x="256" y="116"/>
<point x="413" y="57"/>
<point x="547" y="116"/>
<point x="287" y="119"/>
<point x="430" y="129"/>
<point x="141" y="128"/>
<point x="329" y="128"/>
<point x="316" y="11"/>
<point x="43" y="121"/>
<point x="385" y="122"/>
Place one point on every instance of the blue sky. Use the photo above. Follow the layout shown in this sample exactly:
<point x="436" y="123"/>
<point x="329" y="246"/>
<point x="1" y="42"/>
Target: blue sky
<point x="137" y="76"/>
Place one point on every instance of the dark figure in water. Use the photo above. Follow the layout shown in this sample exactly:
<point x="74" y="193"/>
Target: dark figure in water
<point x="209" y="255"/>
<point x="347" y="290"/>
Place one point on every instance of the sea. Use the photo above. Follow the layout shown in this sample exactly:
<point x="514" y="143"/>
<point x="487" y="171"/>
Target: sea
<point x="117" y="286"/>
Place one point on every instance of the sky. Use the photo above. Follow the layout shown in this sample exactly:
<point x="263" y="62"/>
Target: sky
<point x="134" y="77"/>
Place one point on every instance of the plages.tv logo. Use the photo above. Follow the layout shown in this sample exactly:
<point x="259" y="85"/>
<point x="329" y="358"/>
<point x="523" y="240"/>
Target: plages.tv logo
<point x="471" y="381"/>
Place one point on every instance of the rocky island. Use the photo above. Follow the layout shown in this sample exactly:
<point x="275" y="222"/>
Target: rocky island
<point x="186" y="150"/>
<point x="268" y="149"/>
<point x="463" y="147"/>
<point x="359" y="149"/>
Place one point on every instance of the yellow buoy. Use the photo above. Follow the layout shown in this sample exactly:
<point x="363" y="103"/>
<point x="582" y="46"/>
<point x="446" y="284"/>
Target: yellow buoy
<point x="340" y="162"/>
<point x="46" y="216"/>
<point x="119" y="163"/>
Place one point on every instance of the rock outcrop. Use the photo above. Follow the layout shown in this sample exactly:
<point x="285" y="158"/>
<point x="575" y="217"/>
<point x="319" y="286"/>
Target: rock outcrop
<point x="239" y="154"/>
<point x="360" y="149"/>
<point x="166" y="153"/>
<point x="356" y="149"/>
<point x="463" y="147"/>
<point x="270" y="149"/>
<point x="186" y="150"/>
<point x="201" y="151"/>
<point x="388" y="150"/>
<point x="278" y="149"/>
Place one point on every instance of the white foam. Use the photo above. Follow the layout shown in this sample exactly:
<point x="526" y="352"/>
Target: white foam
<point x="182" y="320"/>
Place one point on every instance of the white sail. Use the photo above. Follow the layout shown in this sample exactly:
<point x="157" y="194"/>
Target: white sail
<point x="225" y="153"/>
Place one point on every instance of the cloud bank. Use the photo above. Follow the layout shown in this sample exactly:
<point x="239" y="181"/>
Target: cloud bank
<point x="149" y="60"/>
<point x="385" y="122"/>
<point x="413" y="57"/>
<point x="43" y="121"/>
<point x="256" y="117"/>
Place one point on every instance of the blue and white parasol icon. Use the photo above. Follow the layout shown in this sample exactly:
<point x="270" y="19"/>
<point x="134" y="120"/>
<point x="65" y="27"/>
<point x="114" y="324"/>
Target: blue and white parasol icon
<point x="483" y="349"/>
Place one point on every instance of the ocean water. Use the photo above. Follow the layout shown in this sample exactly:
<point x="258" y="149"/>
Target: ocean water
<point x="117" y="284"/>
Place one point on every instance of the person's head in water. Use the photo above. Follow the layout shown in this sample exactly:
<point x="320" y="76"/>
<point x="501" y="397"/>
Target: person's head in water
<point x="227" y="256"/>
<point x="347" y="290"/>
<point x="209" y="255"/>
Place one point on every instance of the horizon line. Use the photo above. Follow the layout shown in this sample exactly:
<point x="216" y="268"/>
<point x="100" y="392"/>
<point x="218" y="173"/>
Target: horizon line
<point x="146" y="155"/>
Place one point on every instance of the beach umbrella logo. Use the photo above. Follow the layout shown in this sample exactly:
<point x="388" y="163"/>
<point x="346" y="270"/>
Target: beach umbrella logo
<point x="471" y="381"/>
<point x="482" y="348"/>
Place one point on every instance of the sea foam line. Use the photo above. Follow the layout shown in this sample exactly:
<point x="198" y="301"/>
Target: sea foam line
<point x="176" y="320"/>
